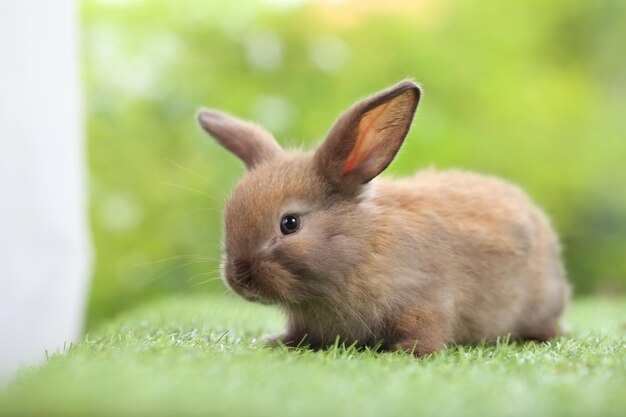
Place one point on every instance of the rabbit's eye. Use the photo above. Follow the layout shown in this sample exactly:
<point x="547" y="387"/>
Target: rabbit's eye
<point x="289" y="224"/>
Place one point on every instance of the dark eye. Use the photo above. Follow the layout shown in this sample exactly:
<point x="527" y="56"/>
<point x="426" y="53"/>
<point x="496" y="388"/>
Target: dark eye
<point x="289" y="224"/>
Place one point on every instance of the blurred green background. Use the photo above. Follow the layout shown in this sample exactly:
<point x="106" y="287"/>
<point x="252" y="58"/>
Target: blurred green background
<point x="531" y="91"/>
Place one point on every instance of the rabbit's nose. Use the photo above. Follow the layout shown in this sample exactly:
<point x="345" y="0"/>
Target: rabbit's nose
<point x="243" y="272"/>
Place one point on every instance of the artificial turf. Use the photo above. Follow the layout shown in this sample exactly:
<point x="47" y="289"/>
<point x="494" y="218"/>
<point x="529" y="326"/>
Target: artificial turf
<point x="202" y="356"/>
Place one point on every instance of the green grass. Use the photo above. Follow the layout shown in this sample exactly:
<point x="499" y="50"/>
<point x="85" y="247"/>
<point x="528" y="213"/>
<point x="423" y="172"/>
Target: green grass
<point x="200" y="356"/>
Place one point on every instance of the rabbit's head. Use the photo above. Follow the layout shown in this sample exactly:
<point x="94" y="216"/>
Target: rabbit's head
<point x="298" y="222"/>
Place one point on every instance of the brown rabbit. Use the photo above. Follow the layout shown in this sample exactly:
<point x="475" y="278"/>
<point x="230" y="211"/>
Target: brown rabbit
<point x="417" y="263"/>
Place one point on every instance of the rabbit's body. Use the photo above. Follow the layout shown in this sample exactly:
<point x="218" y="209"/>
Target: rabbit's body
<point x="470" y="251"/>
<point x="417" y="263"/>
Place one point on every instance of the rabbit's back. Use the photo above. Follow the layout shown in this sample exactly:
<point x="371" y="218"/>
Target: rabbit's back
<point x="490" y="249"/>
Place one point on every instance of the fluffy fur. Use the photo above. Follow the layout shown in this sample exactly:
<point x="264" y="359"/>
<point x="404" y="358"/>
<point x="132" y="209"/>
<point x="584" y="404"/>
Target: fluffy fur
<point x="417" y="264"/>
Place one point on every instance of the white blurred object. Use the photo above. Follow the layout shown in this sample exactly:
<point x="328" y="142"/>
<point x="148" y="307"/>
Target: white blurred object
<point x="44" y="243"/>
<point x="264" y="50"/>
<point x="273" y="113"/>
<point x="329" y="53"/>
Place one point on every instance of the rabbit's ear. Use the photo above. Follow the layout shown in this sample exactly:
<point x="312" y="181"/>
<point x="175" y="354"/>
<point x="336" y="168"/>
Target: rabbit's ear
<point x="251" y="143"/>
<point x="364" y="141"/>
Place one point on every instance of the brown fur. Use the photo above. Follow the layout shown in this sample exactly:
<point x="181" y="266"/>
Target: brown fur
<point x="418" y="263"/>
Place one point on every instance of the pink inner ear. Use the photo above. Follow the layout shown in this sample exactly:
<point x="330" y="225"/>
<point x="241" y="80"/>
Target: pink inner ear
<point x="366" y="140"/>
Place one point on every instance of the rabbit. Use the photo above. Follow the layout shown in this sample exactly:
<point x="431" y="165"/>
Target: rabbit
<point x="414" y="264"/>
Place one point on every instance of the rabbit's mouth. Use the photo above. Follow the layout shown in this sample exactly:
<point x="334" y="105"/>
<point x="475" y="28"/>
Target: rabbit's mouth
<point x="264" y="282"/>
<point x="256" y="298"/>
